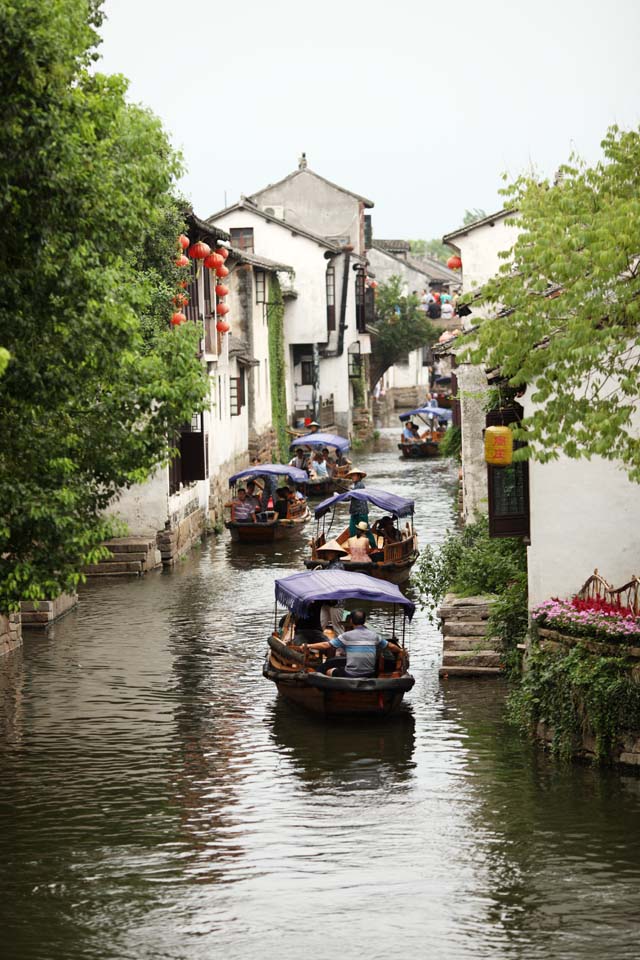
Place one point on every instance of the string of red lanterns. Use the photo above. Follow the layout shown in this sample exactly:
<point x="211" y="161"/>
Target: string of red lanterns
<point x="215" y="261"/>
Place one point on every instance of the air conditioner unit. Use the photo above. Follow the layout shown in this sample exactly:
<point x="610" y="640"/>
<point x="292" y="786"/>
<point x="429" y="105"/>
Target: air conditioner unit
<point x="275" y="212"/>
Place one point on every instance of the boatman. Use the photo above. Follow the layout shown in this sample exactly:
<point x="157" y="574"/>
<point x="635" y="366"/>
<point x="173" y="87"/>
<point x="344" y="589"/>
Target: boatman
<point x="361" y="646"/>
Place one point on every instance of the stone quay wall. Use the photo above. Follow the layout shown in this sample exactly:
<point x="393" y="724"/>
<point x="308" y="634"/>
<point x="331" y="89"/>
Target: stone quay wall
<point x="10" y="632"/>
<point x="627" y="749"/>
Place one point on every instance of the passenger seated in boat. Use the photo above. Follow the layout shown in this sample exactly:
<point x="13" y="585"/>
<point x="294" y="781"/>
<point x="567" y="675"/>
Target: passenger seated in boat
<point x="333" y="553"/>
<point x="384" y="527"/>
<point x="307" y="628"/>
<point x="329" y="461"/>
<point x="331" y="619"/>
<point x="361" y="646"/>
<point x="359" y="547"/>
<point x="281" y="503"/>
<point x="300" y="459"/>
<point x="318" y="467"/>
<point x="242" y="510"/>
<point x="408" y="435"/>
<point x="253" y="494"/>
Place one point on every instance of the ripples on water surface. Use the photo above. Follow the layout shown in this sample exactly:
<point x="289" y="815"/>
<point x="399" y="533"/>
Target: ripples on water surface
<point x="160" y="802"/>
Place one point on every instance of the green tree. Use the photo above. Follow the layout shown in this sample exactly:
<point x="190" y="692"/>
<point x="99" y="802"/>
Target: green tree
<point x="96" y="380"/>
<point x="567" y="301"/>
<point x="470" y="216"/>
<point x="400" y="327"/>
<point x="430" y="248"/>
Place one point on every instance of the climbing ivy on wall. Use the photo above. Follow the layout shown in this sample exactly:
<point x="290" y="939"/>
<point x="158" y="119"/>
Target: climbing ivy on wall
<point x="277" y="369"/>
<point x="575" y="693"/>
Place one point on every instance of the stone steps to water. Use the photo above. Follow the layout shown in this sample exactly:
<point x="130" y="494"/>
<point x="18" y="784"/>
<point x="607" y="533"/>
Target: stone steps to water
<point x="130" y="556"/>
<point x="472" y="671"/>
<point x="467" y="649"/>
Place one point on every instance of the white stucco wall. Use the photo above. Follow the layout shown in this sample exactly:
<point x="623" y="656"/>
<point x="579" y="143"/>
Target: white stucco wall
<point x="306" y="314"/>
<point x="384" y="267"/>
<point x="316" y="206"/>
<point x="584" y="514"/>
<point x="410" y="374"/>
<point x="479" y="249"/>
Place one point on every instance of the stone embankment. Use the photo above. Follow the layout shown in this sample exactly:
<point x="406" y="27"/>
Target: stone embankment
<point x="38" y="615"/>
<point x="10" y="632"/>
<point x="468" y="651"/>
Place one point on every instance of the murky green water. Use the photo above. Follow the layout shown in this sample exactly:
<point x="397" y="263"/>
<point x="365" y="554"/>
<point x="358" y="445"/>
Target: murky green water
<point x="159" y="802"/>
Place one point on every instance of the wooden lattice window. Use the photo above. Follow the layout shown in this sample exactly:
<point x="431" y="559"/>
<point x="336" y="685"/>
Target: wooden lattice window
<point x="237" y="394"/>
<point x="508" y="486"/>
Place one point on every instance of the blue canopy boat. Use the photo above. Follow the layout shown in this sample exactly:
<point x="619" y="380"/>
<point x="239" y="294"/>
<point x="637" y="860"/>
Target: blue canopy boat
<point x="396" y="546"/>
<point x="322" y="486"/>
<point x="267" y="523"/>
<point x="298" y="672"/>
<point x="427" y="445"/>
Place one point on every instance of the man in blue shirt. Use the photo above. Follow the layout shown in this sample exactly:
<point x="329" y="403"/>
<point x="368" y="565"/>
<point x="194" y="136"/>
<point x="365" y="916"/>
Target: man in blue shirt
<point x="361" y="647"/>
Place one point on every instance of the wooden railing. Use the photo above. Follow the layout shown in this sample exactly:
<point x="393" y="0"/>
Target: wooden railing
<point x="597" y="588"/>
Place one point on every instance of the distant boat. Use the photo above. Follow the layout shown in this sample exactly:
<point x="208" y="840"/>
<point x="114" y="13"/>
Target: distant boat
<point x="297" y="672"/>
<point x="268" y="526"/>
<point x="429" y="444"/>
<point x="394" y="559"/>
<point x="324" y="486"/>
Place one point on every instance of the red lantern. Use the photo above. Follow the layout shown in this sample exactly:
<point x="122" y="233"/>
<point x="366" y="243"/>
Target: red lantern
<point x="213" y="261"/>
<point x="183" y="284"/>
<point x="454" y="263"/>
<point x="178" y="318"/>
<point x="180" y="299"/>
<point x="183" y="241"/>
<point x="222" y="272"/>
<point x="373" y="284"/>
<point x="223" y="252"/>
<point x="221" y="290"/>
<point x="182" y="261"/>
<point x="221" y="309"/>
<point x="199" y="250"/>
<point x="222" y="326"/>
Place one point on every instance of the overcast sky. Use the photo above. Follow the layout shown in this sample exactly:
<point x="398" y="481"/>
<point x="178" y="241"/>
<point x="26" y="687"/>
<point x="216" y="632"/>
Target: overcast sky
<point x="419" y="106"/>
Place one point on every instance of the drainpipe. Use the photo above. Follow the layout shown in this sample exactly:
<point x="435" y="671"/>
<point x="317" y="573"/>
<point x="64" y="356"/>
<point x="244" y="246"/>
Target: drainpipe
<point x="342" y="326"/>
<point x="315" y="398"/>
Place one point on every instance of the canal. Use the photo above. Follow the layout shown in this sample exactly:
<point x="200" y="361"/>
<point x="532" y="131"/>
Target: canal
<point x="159" y="803"/>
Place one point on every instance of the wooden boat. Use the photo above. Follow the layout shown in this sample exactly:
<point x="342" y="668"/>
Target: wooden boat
<point x="420" y="449"/>
<point x="297" y="672"/>
<point x="325" y="486"/>
<point x="268" y="527"/>
<point x="396" y="559"/>
<point x="429" y="444"/>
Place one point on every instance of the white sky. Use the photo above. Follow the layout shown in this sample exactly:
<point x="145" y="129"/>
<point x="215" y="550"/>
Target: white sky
<point x="419" y="106"/>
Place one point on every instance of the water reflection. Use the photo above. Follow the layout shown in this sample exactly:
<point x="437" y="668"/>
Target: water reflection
<point x="159" y="800"/>
<point x="362" y="755"/>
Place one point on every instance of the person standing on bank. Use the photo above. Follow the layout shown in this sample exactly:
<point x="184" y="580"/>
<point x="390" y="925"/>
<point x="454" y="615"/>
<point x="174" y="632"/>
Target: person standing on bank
<point x="361" y="646"/>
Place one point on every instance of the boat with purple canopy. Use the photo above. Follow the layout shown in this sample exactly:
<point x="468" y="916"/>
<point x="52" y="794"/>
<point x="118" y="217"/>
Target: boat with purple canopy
<point x="298" y="672"/>
<point x="397" y="544"/>
<point x="436" y="420"/>
<point x="323" y="486"/>
<point x="272" y="519"/>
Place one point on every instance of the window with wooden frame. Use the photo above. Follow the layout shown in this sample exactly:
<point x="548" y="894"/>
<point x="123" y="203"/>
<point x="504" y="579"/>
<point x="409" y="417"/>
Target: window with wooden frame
<point x="192" y="462"/>
<point x="242" y="238"/>
<point x="360" y="302"/>
<point x="508" y="487"/>
<point x="306" y="373"/>
<point x="331" y="297"/>
<point x="207" y="283"/>
<point x="237" y="394"/>
<point x="192" y="309"/>
<point x="261" y="286"/>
